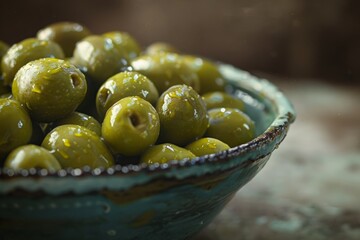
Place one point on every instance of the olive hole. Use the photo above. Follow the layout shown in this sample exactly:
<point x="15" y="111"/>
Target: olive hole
<point x="75" y="79"/>
<point x="104" y="95"/>
<point x="135" y="120"/>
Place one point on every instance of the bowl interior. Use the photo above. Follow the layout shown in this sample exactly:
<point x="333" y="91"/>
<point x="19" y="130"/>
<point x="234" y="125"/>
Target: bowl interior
<point x="141" y="201"/>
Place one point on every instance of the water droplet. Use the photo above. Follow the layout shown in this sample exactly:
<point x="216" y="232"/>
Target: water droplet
<point x="211" y="145"/>
<point x="63" y="154"/>
<point x="66" y="142"/>
<point x="35" y="89"/>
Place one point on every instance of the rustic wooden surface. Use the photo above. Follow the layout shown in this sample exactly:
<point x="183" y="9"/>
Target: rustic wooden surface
<point x="310" y="187"/>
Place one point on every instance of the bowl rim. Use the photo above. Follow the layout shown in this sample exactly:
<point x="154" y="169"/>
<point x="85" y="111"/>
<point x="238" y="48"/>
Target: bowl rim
<point x="284" y="111"/>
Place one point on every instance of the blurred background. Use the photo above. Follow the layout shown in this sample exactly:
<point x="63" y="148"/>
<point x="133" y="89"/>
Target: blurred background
<point x="298" y="38"/>
<point x="310" y="49"/>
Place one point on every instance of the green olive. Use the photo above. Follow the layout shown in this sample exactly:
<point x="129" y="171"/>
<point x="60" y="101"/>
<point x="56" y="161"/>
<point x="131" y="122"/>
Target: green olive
<point x="66" y="34"/>
<point x="25" y="51"/>
<point x="80" y="119"/>
<point x="125" y="43"/>
<point x="15" y="126"/>
<point x="230" y="126"/>
<point x="75" y="146"/>
<point x="164" y="153"/>
<point x="32" y="156"/>
<point x="206" y="146"/>
<point x="222" y="100"/>
<point x="158" y="47"/>
<point x="125" y="84"/>
<point x="49" y="88"/>
<point x="183" y="115"/>
<point x="98" y="57"/>
<point x="166" y="70"/>
<point x="130" y="126"/>
<point x="208" y="73"/>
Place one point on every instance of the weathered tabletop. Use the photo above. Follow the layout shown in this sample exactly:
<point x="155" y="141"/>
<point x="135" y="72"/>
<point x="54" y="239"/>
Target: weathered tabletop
<point x="310" y="188"/>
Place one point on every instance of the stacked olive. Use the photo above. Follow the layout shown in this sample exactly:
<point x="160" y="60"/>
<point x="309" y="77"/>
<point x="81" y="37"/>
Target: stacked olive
<point x="70" y="98"/>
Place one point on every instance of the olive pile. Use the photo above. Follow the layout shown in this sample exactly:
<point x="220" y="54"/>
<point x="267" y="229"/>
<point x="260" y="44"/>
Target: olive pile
<point x="70" y="98"/>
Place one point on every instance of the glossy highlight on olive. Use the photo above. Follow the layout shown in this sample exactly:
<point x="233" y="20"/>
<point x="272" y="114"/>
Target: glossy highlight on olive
<point x="25" y="51"/>
<point x="66" y="34"/>
<point x="75" y="146"/>
<point x="15" y="126"/>
<point x="166" y="70"/>
<point x="130" y="126"/>
<point x="32" y="157"/>
<point x="99" y="57"/>
<point x="230" y="126"/>
<point x="49" y="88"/>
<point x="125" y="84"/>
<point x="164" y="153"/>
<point x="183" y="115"/>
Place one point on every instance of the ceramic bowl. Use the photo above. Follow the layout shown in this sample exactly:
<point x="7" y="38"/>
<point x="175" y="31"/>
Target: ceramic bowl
<point x="167" y="201"/>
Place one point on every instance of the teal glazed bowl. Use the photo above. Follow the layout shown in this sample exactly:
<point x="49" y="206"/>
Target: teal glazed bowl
<point x="160" y="201"/>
